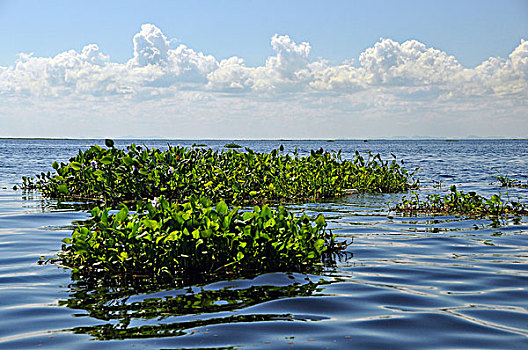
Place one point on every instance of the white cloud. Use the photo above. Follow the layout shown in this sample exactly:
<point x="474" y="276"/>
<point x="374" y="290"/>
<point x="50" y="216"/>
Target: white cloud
<point x="344" y="77"/>
<point x="519" y="59"/>
<point x="150" y="46"/>
<point x="290" y="60"/>
<point x="389" y="79"/>
<point x="287" y="70"/>
<point x="88" y="72"/>
<point x="191" y="66"/>
<point x="231" y="75"/>
<point x="410" y="63"/>
<point x="155" y="65"/>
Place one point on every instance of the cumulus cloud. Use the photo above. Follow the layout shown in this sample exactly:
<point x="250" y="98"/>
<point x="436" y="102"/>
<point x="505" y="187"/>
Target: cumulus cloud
<point x="286" y="70"/>
<point x="498" y="76"/>
<point x="519" y="59"/>
<point x="344" y="77"/>
<point x="91" y="73"/>
<point x="156" y="64"/>
<point x="191" y="66"/>
<point x="158" y="69"/>
<point x="231" y="75"/>
<point x="290" y="59"/>
<point x="150" y="46"/>
<point x="85" y="72"/>
<point x="409" y="63"/>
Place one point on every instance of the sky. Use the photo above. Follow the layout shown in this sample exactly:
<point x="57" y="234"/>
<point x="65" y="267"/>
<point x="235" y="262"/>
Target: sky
<point x="264" y="69"/>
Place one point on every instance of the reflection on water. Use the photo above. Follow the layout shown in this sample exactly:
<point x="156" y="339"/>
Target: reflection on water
<point x="128" y="314"/>
<point x="44" y="204"/>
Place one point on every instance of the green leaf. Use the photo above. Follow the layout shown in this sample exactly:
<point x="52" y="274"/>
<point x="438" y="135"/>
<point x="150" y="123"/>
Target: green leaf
<point x="173" y="236"/>
<point x="63" y="189"/>
<point x="319" y="244"/>
<point x="164" y="204"/>
<point x="128" y="161"/>
<point x="75" y="165"/>
<point x="55" y="165"/>
<point x="85" y="231"/>
<point x="104" y="217"/>
<point x="269" y="223"/>
<point x="320" y="220"/>
<point x="107" y="160"/>
<point x="152" y="224"/>
<point x="247" y="215"/>
<point x="221" y="208"/>
<point x="109" y="143"/>
<point x="207" y="233"/>
<point x="123" y="213"/>
<point x="265" y="212"/>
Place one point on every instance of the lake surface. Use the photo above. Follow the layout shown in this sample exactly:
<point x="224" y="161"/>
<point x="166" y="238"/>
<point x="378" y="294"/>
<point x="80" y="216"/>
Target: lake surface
<point x="419" y="282"/>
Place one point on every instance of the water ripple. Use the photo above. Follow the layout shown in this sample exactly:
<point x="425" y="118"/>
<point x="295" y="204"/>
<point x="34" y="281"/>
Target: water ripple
<point x="420" y="282"/>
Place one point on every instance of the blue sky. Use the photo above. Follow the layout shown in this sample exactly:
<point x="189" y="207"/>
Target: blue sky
<point x="348" y="69"/>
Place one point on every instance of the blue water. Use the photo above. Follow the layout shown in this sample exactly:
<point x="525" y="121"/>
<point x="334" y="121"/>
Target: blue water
<point x="421" y="282"/>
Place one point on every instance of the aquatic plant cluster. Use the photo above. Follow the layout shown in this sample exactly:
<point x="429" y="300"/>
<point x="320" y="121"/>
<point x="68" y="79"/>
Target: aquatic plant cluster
<point x="237" y="177"/>
<point x="182" y="224"/>
<point x="167" y="240"/>
<point x="460" y="202"/>
<point x="506" y="181"/>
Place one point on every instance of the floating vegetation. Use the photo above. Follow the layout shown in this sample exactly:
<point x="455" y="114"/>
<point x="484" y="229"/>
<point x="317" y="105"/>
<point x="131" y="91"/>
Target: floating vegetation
<point x="114" y="175"/>
<point x="506" y="181"/>
<point x="459" y="202"/>
<point x="164" y="240"/>
<point x="232" y="145"/>
<point x="182" y="225"/>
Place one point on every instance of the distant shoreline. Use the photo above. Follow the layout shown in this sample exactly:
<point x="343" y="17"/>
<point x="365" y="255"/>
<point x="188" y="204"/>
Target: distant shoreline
<point x="448" y="139"/>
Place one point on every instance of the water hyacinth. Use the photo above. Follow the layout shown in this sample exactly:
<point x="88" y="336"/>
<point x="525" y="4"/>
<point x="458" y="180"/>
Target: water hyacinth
<point x="182" y="224"/>
<point x="460" y="202"/>
<point x="167" y="240"/>
<point x="234" y="176"/>
<point x="507" y="181"/>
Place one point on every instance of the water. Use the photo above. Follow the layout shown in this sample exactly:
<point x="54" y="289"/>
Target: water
<point x="422" y="282"/>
